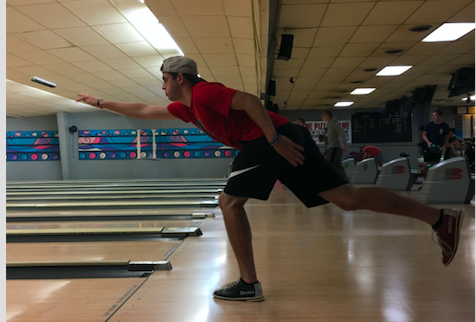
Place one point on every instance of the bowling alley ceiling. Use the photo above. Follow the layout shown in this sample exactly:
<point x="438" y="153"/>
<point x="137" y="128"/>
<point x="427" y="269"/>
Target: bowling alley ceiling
<point x="101" y="47"/>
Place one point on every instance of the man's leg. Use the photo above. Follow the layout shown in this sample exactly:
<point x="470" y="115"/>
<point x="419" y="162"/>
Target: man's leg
<point x="446" y="223"/>
<point x="380" y="200"/>
<point x="239" y="233"/>
<point x="247" y="288"/>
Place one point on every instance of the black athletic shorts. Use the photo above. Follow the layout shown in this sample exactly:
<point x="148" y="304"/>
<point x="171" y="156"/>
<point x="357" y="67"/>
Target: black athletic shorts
<point x="257" y="167"/>
<point x="429" y="156"/>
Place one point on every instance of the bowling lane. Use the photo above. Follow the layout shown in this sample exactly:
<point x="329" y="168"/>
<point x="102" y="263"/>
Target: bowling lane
<point x="155" y="250"/>
<point x="76" y="300"/>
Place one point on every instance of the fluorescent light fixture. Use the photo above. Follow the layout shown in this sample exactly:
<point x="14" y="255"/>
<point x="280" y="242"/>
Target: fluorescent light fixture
<point x="147" y="24"/>
<point x="362" y="91"/>
<point x="344" y="104"/>
<point x="465" y="99"/>
<point x="393" y="70"/>
<point x="450" y="32"/>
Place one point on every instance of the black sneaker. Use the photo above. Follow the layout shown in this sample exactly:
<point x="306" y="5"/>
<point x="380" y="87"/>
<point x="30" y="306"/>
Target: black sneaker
<point x="237" y="291"/>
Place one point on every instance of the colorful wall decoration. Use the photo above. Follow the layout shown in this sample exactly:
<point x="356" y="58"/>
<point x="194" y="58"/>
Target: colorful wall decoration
<point x="33" y="146"/>
<point x="107" y="144"/>
<point x="189" y="144"/>
<point x="164" y="143"/>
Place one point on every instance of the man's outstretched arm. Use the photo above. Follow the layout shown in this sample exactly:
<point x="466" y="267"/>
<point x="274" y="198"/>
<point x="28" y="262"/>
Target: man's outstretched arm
<point x="137" y="110"/>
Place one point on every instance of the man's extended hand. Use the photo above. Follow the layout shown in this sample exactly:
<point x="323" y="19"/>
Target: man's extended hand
<point x="290" y="151"/>
<point x="88" y="99"/>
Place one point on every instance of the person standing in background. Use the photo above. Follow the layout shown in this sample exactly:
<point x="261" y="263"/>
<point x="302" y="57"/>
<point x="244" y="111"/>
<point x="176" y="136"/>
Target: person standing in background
<point x="436" y="136"/>
<point x="301" y="122"/>
<point x="336" y="142"/>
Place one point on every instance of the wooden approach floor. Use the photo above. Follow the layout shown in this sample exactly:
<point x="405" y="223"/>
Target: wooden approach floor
<point x="319" y="264"/>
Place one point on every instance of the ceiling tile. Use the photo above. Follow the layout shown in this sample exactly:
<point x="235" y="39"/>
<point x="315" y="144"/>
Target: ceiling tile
<point x="14" y="44"/>
<point x="244" y="46"/>
<point x="346" y="14"/>
<point x="241" y="27"/>
<point x="71" y="55"/>
<point x="247" y="71"/>
<point x="299" y="52"/>
<point x="52" y="15"/>
<point x="140" y="48"/>
<point x="302" y="37"/>
<point x="406" y="46"/>
<point x="290" y="64"/>
<point x="436" y="11"/>
<point x="214" y="60"/>
<point x="408" y="60"/>
<point x="161" y="8"/>
<point x="436" y="60"/>
<point x="104" y="51"/>
<point x="175" y="27"/>
<point x="83" y="36"/>
<point x="119" y="33"/>
<point x="101" y="85"/>
<point x="84" y="78"/>
<point x="372" y="34"/>
<point x="457" y="47"/>
<point x="286" y="73"/>
<point x="464" y="15"/>
<point x="312" y="72"/>
<point x="225" y="71"/>
<point x="149" y="80"/>
<point x="110" y="76"/>
<point x="125" y="82"/>
<point x="64" y="69"/>
<point x="216" y="46"/>
<point x="325" y="51"/>
<point x="24" y="2"/>
<point x="402" y="34"/>
<point x="358" y="50"/>
<point x="18" y="22"/>
<point x="133" y="73"/>
<point x="121" y="63"/>
<point x="40" y="57"/>
<point x="238" y="8"/>
<point x="317" y="63"/>
<point x="423" y="48"/>
<point x="186" y="45"/>
<point x="207" y="26"/>
<point x="347" y="62"/>
<point x="35" y="71"/>
<point x="95" y="12"/>
<point x="93" y="66"/>
<point x="327" y="36"/>
<point x="301" y="16"/>
<point x="150" y="61"/>
<point x="14" y="61"/>
<point x="466" y="60"/>
<point x="246" y="60"/>
<point x="46" y="39"/>
<point x="391" y="13"/>
<point x="199" y="8"/>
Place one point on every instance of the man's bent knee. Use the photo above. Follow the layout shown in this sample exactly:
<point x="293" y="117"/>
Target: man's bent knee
<point x="344" y="197"/>
<point x="228" y="202"/>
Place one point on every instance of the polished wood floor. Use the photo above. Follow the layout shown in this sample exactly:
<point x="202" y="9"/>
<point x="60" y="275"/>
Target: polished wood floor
<point x="319" y="264"/>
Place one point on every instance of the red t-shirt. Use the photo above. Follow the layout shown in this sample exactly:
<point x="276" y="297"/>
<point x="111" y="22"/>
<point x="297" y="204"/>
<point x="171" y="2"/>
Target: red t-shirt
<point x="372" y="150"/>
<point x="210" y="111"/>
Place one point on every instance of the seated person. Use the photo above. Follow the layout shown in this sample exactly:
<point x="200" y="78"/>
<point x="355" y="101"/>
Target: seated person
<point x="452" y="146"/>
<point x="371" y="151"/>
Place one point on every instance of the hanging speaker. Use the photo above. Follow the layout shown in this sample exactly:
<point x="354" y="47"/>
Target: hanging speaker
<point x="286" y="47"/>
<point x="272" y="88"/>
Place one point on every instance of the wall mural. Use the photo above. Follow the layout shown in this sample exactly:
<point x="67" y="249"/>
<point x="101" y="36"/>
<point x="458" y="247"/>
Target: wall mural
<point x="107" y="144"/>
<point x="169" y="144"/>
<point x="33" y="146"/>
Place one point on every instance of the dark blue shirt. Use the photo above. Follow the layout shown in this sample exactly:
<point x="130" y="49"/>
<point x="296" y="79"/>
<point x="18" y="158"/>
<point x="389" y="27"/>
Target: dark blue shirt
<point x="436" y="132"/>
